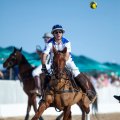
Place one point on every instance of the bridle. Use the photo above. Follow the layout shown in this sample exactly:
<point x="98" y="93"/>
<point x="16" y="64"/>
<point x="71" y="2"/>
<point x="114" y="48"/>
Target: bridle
<point x="59" y="73"/>
<point x="58" y="70"/>
<point x="14" y="60"/>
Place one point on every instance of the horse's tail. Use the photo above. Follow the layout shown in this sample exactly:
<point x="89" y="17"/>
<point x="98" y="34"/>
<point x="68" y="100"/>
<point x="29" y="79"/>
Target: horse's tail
<point x="95" y="106"/>
<point x="95" y="103"/>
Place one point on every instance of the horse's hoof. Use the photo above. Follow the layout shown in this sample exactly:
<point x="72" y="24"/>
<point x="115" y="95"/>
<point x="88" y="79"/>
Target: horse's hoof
<point x="34" y="118"/>
<point x="41" y="118"/>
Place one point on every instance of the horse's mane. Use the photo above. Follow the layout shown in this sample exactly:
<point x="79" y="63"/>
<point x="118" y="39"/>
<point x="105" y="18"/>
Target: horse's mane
<point x="25" y="61"/>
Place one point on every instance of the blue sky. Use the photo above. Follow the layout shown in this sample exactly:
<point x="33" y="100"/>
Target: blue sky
<point x="93" y="33"/>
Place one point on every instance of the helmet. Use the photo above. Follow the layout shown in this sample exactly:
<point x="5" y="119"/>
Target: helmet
<point x="49" y="35"/>
<point x="57" y="27"/>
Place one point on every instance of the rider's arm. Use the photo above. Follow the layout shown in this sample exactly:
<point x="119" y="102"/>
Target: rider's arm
<point x="39" y="53"/>
<point x="68" y="45"/>
<point x="46" y="51"/>
<point x="44" y="57"/>
<point x="67" y="56"/>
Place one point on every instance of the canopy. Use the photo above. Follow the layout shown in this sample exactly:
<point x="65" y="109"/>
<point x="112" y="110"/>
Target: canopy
<point x="87" y="64"/>
<point x="84" y="63"/>
<point x="114" y="67"/>
<point x="32" y="58"/>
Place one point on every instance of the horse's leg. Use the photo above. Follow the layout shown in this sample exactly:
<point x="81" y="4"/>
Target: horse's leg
<point x="87" y="116"/>
<point x="42" y="107"/>
<point x="83" y="113"/>
<point x="82" y="109"/>
<point x="70" y="117"/>
<point x="34" y="102"/>
<point x="60" y="116"/>
<point x="67" y="113"/>
<point x="28" y="109"/>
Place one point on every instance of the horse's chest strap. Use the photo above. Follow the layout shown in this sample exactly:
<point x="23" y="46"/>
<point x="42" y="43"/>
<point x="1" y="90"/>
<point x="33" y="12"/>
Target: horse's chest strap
<point x="65" y="91"/>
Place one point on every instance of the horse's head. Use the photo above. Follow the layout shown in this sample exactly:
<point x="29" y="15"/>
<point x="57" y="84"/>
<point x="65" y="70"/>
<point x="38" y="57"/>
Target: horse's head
<point x="59" y="62"/>
<point x="13" y="59"/>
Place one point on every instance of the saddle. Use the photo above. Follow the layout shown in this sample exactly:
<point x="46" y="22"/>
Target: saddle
<point x="71" y="80"/>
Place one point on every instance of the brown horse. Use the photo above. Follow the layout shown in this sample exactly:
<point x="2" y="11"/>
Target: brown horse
<point x="60" y="91"/>
<point x="25" y="70"/>
<point x="25" y="76"/>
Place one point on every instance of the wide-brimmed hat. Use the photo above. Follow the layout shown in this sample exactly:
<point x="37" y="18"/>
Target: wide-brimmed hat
<point x="57" y="27"/>
<point x="47" y="35"/>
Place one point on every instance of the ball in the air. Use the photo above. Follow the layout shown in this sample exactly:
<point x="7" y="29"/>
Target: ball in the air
<point x="93" y="5"/>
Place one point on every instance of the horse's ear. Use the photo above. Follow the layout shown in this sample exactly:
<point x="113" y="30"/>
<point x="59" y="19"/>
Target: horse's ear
<point x="64" y="50"/>
<point x="15" y="49"/>
<point x="54" y="50"/>
<point x="20" y="49"/>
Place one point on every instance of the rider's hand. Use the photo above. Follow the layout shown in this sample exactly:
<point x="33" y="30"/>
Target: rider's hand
<point x="44" y="69"/>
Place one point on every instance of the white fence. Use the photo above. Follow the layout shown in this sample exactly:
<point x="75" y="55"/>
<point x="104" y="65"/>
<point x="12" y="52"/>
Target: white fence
<point x="13" y="101"/>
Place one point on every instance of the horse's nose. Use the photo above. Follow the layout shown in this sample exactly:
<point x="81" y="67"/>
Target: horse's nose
<point x="10" y="63"/>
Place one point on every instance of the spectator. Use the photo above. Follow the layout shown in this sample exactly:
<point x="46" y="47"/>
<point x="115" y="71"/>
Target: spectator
<point x="1" y="75"/>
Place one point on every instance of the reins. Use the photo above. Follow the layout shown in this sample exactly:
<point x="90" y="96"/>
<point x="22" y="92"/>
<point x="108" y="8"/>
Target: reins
<point x="65" y="75"/>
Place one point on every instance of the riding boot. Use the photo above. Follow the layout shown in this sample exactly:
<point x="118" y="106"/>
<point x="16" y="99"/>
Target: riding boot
<point x="84" y="83"/>
<point x="37" y="89"/>
<point x="46" y="82"/>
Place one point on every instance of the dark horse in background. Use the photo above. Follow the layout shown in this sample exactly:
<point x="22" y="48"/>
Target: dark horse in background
<point x="60" y="92"/>
<point x="25" y="76"/>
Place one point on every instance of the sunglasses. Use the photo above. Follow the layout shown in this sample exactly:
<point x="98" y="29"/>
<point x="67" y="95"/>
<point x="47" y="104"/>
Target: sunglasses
<point x="46" y="37"/>
<point x="56" y="32"/>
